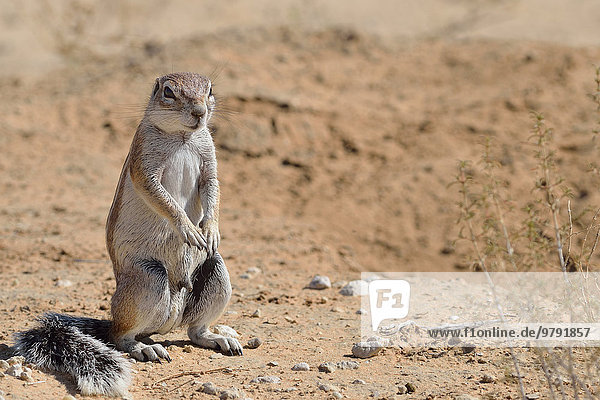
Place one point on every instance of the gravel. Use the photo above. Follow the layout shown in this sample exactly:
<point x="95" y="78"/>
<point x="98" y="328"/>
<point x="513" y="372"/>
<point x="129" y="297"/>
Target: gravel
<point x="328" y="367"/>
<point x="487" y="378"/>
<point x="253" y="343"/>
<point x="328" y="388"/>
<point x="347" y="365"/>
<point x="355" y="288"/>
<point x="209" y="388"/>
<point x="319" y="282"/>
<point x="301" y="367"/>
<point x="266" y="379"/>
<point x="366" y="349"/>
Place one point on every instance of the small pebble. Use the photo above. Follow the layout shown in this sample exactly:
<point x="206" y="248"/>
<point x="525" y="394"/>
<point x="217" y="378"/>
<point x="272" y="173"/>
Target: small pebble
<point x="63" y="283"/>
<point x="319" y="282"/>
<point x="410" y="387"/>
<point x="251" y="273"/>
<point x="69" y="397"/>
<point x="361" y="311"/>
<point x="4" y="364"/>
<point x="188" y="348"/>
<point x="301" y="367"/>
<point x="487" y="378"/>
<point x="226" y="331"/>
<point x="272" y="363"/>
<point x="402" y="390"/>
<point x="355" y="288"/>
<point x="328" y="388"/>
<point x="209" y="388"/>
<point x="327" y="367"/>
<point x="465" y="397"/>
<point x="256" y="314"/>
<point x="253" y="343"/>
<point x="347" y="365"/>
<point x="366" y="349"/>
<point x="337" y="395"/>
<point x="266" y="379"/>
<point x="359" y="382"/>
<point x="228" y="394"/>
<point x="532" y="396"/>
<point x="216" y="356"/>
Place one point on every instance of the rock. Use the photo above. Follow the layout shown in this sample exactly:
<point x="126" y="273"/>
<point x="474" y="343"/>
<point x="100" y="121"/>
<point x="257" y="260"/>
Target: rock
<point x="16" y="360"/>
<point x="4" y="365"/>
<point x="319" y="282"/>
<point x="465" y="397"/>
<point x="69" y="397"/>
<point x="272" y="363"/>
<point x="14" y="370"/>
<point x="328" y="388"/>
<point x="359" y="382"/>
<point x="226" y="331"/>
<point x="347" y="365"/>
<point x="253" y="343"/>
<point x="266" y="379"/>
<point x="467" y="348"/>
<point x="216" y="356"/>
<point x="63" y="283"/>
<point x="355" y="288"/>
<point x="327" y="367"/>
<point x="532" y="396"/>
<point x="209" y="388"/>
<point x="26" y="376"/>
<point x="301" y="367"/>
<point x="228" y="394"/>
<point x="257" y="313"/>
<point x="410" y="387"/>
<point x="337" y="395"/>
<point x="487" y="378"/>
<point x="188" y="348"/>
<point x="402" y="390"/>
<point x="366" y="349"/>
<point x="251" y="273"/>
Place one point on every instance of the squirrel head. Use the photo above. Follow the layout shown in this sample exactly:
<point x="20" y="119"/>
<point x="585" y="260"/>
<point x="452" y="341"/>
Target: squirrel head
<point x="181" y="102"/>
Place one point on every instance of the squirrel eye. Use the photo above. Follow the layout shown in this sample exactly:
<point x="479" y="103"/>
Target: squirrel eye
<point x="168" y="93"/>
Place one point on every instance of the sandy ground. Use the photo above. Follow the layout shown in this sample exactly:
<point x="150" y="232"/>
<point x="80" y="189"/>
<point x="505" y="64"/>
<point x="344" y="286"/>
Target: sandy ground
<point x="347" y="131"/>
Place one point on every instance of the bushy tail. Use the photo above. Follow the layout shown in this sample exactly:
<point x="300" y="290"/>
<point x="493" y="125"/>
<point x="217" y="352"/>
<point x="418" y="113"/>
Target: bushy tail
<point x="71" y="344"/>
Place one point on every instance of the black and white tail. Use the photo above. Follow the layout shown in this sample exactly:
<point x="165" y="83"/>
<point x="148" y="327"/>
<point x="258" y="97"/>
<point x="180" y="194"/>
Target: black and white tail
<point x="75" y="345"/>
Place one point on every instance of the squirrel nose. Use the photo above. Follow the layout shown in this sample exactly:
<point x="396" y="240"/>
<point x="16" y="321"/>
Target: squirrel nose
<point x="199" y="110"/>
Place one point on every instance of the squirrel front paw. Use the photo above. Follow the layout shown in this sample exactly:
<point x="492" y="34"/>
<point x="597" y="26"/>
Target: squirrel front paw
<point x="210" y="230"/>
<point x="190" y="234"/>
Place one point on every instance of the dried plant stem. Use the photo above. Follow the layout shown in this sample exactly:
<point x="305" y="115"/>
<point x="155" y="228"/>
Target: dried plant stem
<point x="462" y="180"/>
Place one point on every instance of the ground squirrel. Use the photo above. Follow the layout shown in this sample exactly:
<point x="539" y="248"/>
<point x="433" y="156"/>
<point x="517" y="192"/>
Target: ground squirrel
<point x="162" y="236"/>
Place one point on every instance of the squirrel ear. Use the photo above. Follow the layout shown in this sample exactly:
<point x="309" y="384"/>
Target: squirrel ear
<point x="156" y="86"/>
